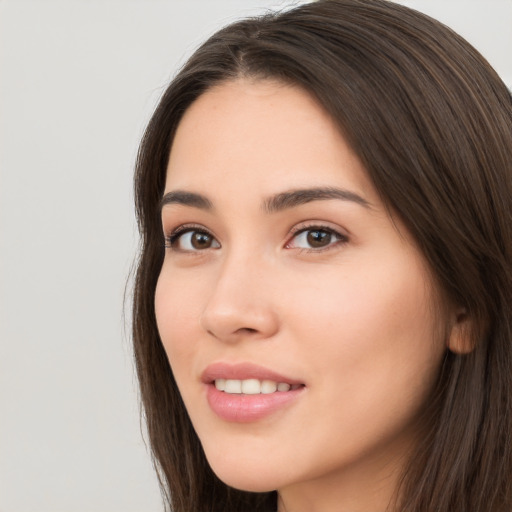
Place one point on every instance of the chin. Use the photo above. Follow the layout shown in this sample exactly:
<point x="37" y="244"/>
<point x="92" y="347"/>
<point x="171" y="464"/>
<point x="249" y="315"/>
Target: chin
<point x="245" y="477"/>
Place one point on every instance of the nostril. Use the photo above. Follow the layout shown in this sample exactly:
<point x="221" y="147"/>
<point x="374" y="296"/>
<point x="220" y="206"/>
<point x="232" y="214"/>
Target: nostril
<point x="247" y="330"/>
<point x="242" y="330"/>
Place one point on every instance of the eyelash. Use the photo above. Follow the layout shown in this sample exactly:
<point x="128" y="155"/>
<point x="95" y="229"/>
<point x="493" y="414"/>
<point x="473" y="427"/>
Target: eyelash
<point x="341" y="239"/>
<point x="174" y="236"/>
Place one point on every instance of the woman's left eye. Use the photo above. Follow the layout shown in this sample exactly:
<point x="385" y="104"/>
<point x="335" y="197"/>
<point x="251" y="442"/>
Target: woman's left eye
<point x="315" y="238"/>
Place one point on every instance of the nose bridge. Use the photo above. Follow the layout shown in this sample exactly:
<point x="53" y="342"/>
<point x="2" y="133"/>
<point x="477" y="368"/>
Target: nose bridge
<point x="240" y="303"/>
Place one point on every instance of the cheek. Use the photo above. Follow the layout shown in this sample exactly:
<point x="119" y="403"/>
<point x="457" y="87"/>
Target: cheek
<point x="370" y="346"/>
<point x="372" y="330"/>
<point x="176" y="309"/>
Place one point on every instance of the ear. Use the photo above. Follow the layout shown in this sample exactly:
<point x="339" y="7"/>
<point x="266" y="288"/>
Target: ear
<point x="460" y="339"/>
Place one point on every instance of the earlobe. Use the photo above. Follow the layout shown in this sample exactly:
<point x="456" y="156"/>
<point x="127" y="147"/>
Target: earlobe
<point x="460" y="339"/>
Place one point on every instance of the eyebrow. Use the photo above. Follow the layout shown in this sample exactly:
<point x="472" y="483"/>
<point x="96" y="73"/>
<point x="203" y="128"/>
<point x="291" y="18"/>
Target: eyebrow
<point x="186" y="198"/>
<point x="279" y="202"/>
<point x="293" y="198"/>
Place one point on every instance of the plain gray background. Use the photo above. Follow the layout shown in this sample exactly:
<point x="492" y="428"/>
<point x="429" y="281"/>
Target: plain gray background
<point x="78" y="82"/>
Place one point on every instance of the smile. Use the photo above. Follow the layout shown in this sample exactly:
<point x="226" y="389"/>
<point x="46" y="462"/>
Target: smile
<point x="245" y="392"/>
<point x="253" y="386"/>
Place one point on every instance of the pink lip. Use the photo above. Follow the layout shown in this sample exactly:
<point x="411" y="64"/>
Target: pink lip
<point x="243" y="371"/>
<point x="242" y="408"/>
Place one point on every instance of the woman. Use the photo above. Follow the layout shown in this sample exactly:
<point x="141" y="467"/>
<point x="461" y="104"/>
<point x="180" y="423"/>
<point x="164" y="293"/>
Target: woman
<point x="322" y="304"/>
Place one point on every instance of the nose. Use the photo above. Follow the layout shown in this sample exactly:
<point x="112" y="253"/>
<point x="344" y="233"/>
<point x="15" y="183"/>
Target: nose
<point x="241" y="303"/>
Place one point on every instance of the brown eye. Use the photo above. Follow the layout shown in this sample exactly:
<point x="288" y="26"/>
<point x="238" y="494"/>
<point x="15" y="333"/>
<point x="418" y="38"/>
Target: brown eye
<point x="193" y="240"/>
<point x="316" y="238"/>
<point x="201" y="240"/>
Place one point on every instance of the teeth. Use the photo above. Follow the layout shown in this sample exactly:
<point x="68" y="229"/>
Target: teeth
<point x="233" y="386"/>
<point x="252" y="386"/>
<point x="268" y="386"/>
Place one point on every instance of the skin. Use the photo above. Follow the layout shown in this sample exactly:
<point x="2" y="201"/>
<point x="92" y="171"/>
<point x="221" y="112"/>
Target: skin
<point x="352" y="320"/>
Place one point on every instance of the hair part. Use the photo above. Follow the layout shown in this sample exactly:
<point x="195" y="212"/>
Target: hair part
<point x="432" y="123"/>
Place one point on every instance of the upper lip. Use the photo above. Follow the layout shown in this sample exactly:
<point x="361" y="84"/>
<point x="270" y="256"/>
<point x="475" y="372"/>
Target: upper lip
<point x="243" y="371"/>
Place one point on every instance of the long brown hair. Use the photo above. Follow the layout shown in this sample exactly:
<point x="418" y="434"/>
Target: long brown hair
<point x="432" y="123"/>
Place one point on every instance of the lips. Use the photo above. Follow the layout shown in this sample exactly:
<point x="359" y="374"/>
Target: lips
<point x="246" y="392"/>
<point x="243" y="371"/>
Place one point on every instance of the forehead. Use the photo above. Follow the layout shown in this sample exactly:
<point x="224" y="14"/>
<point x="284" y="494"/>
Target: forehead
<point x="261" y="135"/>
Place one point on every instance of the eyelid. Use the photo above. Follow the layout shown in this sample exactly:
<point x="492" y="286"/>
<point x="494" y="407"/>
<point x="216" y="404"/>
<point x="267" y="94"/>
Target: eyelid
<point x="176" y="233"/>
<point x="342" y="237"/>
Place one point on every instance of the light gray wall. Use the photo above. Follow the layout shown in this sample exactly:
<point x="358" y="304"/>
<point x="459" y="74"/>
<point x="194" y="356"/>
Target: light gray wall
<point x="78" y="82"/>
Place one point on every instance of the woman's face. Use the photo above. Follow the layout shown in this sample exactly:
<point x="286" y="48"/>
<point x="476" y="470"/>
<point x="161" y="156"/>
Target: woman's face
<point x="283" y="267"/>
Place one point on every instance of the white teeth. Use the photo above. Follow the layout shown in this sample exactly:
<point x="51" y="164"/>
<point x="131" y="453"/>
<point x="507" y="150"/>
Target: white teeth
<point x="233" y="386"/>
<point x="252" y="386"/>
<point x="220" y="384"/>
<point x="268" y="386"/>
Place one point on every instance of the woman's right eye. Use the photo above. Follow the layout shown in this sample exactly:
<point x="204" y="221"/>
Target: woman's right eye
<point x="191" y="240"/>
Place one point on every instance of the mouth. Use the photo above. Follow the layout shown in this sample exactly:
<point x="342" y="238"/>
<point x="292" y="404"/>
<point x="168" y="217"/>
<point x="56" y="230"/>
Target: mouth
<point x="253" y="386"/>
<point x="244" y="393"/>
<point x="248" y="379"/>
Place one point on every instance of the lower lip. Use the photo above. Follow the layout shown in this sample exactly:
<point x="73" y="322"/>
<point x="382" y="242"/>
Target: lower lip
<point x="242" y="408"/>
